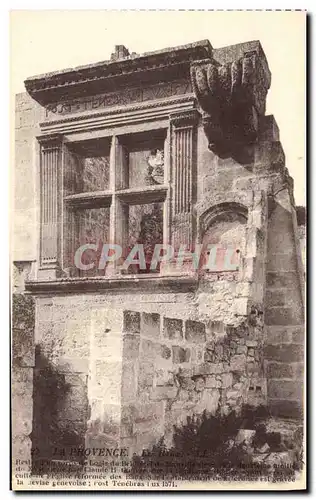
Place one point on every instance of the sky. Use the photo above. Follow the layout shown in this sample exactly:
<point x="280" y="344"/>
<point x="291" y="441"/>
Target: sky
<point x="43" y="41"/>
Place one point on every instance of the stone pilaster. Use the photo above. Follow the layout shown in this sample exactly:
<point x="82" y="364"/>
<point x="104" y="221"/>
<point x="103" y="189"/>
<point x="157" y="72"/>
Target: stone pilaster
<point x="183" y="129"/>
<point x="50" y="205"/>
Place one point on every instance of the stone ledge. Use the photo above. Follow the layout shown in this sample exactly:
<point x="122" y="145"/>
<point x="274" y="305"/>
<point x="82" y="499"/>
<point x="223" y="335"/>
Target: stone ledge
<point x="180" y="284"/>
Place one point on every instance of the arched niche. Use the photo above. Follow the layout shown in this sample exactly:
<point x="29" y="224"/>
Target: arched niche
<point x="223" y="231"/>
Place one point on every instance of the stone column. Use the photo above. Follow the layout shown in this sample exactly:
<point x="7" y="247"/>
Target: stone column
<point x="50" y="205"/>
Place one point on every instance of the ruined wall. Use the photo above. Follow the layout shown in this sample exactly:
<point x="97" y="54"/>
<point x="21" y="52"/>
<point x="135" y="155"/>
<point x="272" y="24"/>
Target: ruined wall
<point x="120" y="367"/>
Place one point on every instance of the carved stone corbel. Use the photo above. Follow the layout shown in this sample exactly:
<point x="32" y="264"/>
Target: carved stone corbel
<point x="231" y="97"/>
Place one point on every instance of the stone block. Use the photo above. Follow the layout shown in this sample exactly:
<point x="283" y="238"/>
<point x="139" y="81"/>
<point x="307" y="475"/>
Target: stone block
<point x="231" y="394"/>
<point x="282" y="316"/>
<point x="280" y="370"/>
<point x="130" y="347"/>
<point x="299" y="370"/>
<point x="211" y="382"/>
<point x="195" y="331"/>
<point x="282" y="279"/>
<point x="150" y="326"/>
<point x="165" y="352"/>
<point x="286" y="353"/>
<point x="162" y="393"/>
<point x="281" y="262"/>
<point x="199" y="384"/>
<point x="148" y="411"/>
<point x="145" y="426"/>
<point x="131" y="322"/>
<point x="285" y="389"/>
<point x="129" y="385"/>
<point x="153" y="350"/>
<point x="180" y="354"/>
<point x="208" y="369"/>
<point x="241" y="349"/>
<point x="145" y="375"/>
<point x="197" y="354"/>
<point x="278" y="334"/>
<point x="298" y="335"/>
<point x="209" y="401"/>
<point x="227" y="380"/>
<point x="275" y="298"/>
<point x="173" y="328"/>
<point x="251" y="343"/>
<point x="238" y="363"/>
<point x="286" y="409"/>
<point x="209" y="356"/>
<point x="163" y="378"/>
<point x="217" y="328"/>
<point x="187" y="383"/>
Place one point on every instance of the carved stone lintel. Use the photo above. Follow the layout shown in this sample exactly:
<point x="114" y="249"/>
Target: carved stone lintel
<point x="231" y="98"/>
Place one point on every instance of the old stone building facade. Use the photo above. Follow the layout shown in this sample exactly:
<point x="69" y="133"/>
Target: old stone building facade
<point x="173" y="148"/>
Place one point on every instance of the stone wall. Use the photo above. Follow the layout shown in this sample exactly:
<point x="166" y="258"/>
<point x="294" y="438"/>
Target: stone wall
<point x="28" y="115"/>
<point x="126" y="376"/>
<point x="174" y="368"/>
<point x="23" y="360"/>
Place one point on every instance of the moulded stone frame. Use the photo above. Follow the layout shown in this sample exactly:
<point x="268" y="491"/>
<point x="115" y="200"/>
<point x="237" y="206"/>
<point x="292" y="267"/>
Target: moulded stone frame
<point x="115" y="123"/>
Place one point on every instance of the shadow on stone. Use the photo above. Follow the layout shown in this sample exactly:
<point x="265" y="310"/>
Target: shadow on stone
<point x="52" y="441"/>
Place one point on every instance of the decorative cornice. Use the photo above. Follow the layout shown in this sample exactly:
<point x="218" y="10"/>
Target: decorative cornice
<point x="179" y="284"/>
<point x="164" y="65"/>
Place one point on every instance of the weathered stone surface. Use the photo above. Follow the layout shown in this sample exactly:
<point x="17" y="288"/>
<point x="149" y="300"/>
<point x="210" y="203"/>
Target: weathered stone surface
<point x="208" y="368"/>
<point x="165" y="392"/>
<point x="280" y="370"/>
<point x="212" y="382"/>
<point x="238" y="363"/>
<point x="131" y="321"/>
<point x="227" y="380"/>
<point x="209" y="401"/>
<point x="195" y="331"/>
<point x="199" y="384"/>
<point x="130" y="347"/>
<point x="180" y="355"/>
<point x="279" y="334"/>
<point x="285" y="353"/>
<point x="284" y="408"/>
<point x="287" y="390"/>
<point x="282" y="316"/>
<point x="151" y="325"/>
<point x="173" y="328"/>
<point x="282" y="279"/>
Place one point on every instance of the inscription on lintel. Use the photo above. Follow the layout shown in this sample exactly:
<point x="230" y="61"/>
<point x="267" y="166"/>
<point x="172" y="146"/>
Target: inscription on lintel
<point x="117" y="98"/>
